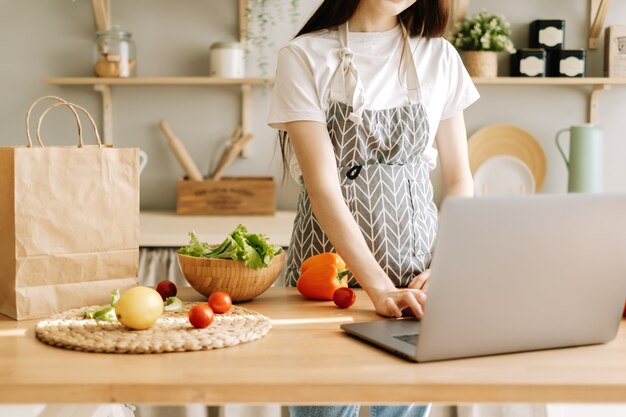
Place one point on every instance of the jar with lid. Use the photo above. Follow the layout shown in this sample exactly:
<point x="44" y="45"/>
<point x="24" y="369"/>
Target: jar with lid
<point x="114" y="54"/>
<point x="227" y="60"/>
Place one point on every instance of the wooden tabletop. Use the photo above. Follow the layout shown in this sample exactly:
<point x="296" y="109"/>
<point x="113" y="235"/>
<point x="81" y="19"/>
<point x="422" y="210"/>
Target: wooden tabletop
<point x="304" y="359"/>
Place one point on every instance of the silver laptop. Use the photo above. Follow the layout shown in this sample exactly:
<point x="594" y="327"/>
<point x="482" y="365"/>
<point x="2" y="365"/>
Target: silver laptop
<point x="512" y="274"/>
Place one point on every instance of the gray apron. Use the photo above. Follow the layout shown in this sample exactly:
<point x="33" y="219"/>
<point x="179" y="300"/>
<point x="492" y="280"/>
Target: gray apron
<point x="384" y="160"/>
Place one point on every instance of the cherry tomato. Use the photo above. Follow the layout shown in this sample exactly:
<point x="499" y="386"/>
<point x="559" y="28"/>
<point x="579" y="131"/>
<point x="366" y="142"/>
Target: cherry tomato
<point x="220" y="302"/>
<point x="344" y="297"/>
<point x="201" y="316"/>
<point x="166" y="289"/>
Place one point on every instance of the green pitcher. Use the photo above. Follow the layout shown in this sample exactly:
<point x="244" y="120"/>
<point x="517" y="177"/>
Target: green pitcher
<point x="585" y="158"/>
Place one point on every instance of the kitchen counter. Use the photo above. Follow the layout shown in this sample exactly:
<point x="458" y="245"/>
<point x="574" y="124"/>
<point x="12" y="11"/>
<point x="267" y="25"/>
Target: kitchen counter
<point x="304" y="359"/>
<point x="167" y="229"/>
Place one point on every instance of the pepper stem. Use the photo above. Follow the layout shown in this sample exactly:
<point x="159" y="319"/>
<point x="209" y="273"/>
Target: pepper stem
<point x="343" y="273"/>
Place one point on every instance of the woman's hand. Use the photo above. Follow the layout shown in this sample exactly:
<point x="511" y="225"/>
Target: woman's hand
<point x="392" y="303"/>
<point x="420" y="282"/>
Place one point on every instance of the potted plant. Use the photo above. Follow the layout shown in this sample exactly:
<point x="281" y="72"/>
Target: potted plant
<point x="481" y="38"/>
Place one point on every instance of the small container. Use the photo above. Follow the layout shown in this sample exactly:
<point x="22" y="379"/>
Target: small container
<point x="568" y="63"/>
<point x="529" y="62"/>
<point x="114" y="54"/>
<point x="227" y="60"/>
<point x="547" y="34"/>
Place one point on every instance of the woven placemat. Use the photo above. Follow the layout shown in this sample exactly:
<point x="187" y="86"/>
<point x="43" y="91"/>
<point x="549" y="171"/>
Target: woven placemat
<point x="172" y="332"/>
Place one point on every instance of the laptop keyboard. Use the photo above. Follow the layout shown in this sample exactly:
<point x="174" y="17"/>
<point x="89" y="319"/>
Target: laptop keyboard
<point x="408" y="338"/>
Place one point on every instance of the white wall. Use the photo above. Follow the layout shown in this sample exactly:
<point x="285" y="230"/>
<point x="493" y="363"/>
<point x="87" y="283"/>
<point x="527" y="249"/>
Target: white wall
<point x="54" y="38"/>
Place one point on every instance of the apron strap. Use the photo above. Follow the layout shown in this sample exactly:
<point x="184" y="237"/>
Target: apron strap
<point x="412" y="80"/>
<point x="347" y="80"/>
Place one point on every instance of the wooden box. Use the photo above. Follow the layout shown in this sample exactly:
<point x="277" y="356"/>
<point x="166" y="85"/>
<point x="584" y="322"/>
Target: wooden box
<point x="228" y="196"/>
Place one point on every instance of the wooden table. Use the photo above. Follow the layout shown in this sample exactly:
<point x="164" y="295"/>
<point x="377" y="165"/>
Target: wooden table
<point x="304" y="359"/>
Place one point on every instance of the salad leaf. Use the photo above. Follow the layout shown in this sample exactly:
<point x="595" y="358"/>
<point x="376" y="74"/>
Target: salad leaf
<point x="105" y="313"/>
<point x="195" y="247"/>
<point x="172" y="304"/>
<point x="254" y="250"/>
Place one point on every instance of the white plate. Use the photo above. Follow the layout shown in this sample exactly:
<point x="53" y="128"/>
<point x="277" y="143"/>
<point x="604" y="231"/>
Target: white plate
<point x="503" y="175"/>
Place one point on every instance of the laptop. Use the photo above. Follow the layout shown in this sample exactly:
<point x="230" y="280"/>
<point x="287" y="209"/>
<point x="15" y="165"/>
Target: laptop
<point x="513" y="274"/>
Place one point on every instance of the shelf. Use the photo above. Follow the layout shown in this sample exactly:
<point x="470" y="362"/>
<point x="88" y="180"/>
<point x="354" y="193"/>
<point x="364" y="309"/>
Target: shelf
<point x="549" y="81"/>
<point x="167" y="229"/>
<point x="158" y="81"/>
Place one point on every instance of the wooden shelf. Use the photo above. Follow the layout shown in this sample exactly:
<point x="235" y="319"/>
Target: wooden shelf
<point x="549" y="81"/>
<point x="158" y="81"/>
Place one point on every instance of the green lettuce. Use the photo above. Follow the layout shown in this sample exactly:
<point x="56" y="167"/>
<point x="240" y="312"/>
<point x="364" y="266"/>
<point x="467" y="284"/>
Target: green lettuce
<point x="254" y="250"/>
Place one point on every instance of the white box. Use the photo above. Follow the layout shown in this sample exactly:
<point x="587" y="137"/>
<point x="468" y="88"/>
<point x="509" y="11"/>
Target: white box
<point x="615" y="51"/>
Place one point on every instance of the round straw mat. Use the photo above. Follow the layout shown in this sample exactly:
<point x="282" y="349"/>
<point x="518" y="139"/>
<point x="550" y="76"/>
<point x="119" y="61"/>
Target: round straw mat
<point x="172" y="332"/>
<point x="495" y="140"/>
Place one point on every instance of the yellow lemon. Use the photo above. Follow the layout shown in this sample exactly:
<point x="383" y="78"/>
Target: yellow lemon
<point x="139" y="307"/>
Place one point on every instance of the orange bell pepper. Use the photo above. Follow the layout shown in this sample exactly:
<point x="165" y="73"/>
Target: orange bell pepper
<point x="321" y="275"/>
<point x="326" y="258"/>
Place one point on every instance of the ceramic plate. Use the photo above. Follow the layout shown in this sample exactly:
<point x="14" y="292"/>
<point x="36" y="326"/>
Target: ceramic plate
<point x="495" y="140"/>
<point x="503" y="175"/>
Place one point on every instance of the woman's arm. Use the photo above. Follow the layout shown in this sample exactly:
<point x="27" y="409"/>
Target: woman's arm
<point x="316" y="158"/>
<point x="452" y="146"/>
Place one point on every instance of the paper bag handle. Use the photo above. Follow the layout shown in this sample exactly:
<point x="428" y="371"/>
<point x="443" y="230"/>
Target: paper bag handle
<point x="32" y="106"/>
<point x="72" y="107"/>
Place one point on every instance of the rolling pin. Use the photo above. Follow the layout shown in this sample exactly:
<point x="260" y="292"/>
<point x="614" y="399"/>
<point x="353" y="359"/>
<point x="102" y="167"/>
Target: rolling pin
<point x="179" y="150"/>
<point x="230" y="156"/>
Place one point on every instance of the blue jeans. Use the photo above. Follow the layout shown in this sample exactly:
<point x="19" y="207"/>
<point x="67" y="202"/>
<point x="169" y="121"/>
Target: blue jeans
<point x="413" y="410"/>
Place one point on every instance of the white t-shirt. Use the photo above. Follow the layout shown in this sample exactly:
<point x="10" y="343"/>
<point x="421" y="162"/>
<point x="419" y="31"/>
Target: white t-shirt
<point x="307" y="64"/>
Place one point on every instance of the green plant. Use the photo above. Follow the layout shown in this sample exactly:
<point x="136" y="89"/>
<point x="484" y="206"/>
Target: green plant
<point x="484" y="32"/>
<point x="262" y="16"/>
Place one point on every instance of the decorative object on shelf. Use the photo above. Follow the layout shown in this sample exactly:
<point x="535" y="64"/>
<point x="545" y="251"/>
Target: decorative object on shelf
<point x="503" y="175"/>
<point x="528" y="62"/>
<point x="615" y="51"/>
<point x="65" y="212"/>
<point x="227" y="60"/>
<point x="480" y="38"/>
<point x="495" y="140"/>
<point x="568" y="63"/>
<point x="114" y="54"/>
<point x="584" y="165"/>
<point x="547" y="34"/>
<point x="261" y="15"/>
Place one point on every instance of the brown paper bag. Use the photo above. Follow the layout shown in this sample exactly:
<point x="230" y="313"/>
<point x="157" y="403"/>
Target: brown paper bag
<point x="69" y="223"/>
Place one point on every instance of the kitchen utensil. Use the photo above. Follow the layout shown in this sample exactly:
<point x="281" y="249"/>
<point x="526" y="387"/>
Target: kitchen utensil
<point x="585" y="158"/>
<point x="240" y="282"/>
<point x="179" y="150"/>
<point x="230" y="156"/>
<point x="143" y="160"/>
<point x="236" y="135"/>
<point x="503" y="175"/>
<point x="509" y="140"/>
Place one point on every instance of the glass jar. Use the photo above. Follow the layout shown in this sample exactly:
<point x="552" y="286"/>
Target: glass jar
<point x="114" y="54"/>
<point x="227" y="60"/>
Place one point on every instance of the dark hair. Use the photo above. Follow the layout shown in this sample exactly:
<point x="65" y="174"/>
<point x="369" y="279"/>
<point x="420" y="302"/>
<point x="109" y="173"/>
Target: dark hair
<point x="426" y="18"/>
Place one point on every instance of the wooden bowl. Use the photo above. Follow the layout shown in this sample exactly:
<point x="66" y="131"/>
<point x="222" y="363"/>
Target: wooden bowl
<point x="240" y="282"/>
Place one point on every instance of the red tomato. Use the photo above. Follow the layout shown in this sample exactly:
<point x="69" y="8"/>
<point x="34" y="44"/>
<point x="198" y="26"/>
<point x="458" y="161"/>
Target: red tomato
<point x="201" y="316"/>
<point x="344" y="297"/>
<point x="220" y="302"/>
<point x="166" y="289"/>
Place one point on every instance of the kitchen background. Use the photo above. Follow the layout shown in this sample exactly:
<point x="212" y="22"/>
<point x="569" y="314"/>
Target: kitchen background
<point x="45" y="38"/>
<point x="55" y="38"/>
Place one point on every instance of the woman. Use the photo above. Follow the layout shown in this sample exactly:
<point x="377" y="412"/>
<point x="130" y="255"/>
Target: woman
<point x="361" y="94"/>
